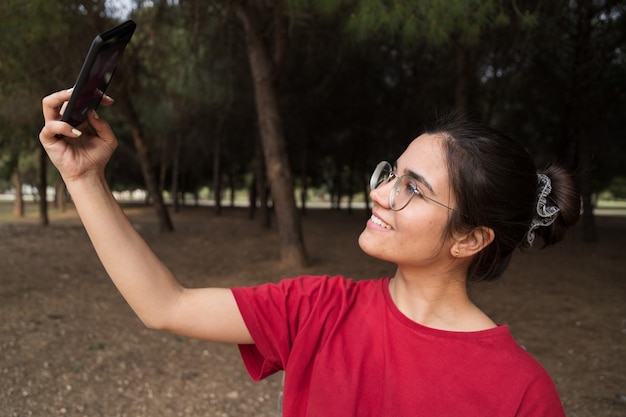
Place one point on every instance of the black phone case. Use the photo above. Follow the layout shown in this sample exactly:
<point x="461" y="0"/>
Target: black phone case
<point x="96" y="72"/>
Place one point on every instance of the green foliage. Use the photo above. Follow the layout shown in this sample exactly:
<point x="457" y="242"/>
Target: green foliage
<point x="37" y="57"/>
<point x="326" y="8"/>
<point x="435" y="22"/>
<point x="618" y="188"/>
<point x="360" y="79"/>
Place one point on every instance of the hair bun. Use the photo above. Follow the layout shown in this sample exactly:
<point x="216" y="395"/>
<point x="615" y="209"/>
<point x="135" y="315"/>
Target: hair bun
<point x="557" y="207"/>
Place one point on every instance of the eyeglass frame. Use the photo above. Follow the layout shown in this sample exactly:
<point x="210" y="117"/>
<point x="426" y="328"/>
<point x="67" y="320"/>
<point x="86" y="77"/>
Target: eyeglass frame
<point x="396" y="186"/>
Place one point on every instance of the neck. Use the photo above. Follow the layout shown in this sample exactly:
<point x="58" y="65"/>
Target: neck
<point x="438" y="301"/>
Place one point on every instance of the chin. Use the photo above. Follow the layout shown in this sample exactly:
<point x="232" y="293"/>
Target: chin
<point x="368" y="245"/>
<point x="372" y="245"/>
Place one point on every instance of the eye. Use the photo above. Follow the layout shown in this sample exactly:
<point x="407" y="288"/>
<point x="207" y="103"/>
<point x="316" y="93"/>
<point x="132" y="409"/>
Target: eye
<point x="409" y="187"/>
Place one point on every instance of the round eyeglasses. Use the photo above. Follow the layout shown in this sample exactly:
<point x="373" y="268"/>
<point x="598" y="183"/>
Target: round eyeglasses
<point x="404" y="189"/>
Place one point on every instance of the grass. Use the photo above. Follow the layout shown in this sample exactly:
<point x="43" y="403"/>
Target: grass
<point x="617" y="204"/>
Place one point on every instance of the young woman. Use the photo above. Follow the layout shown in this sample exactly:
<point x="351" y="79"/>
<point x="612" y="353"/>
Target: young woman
<point x="450" y="211"/>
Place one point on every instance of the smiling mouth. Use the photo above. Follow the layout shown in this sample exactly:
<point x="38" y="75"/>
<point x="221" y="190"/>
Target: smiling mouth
<point x="377" y="221"/>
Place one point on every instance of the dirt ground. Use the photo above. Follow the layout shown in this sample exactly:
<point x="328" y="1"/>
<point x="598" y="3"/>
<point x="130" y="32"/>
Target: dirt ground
<point x="70" y="346"/>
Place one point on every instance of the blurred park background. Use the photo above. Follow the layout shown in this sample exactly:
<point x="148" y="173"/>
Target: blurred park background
<point x="211" y="96"/>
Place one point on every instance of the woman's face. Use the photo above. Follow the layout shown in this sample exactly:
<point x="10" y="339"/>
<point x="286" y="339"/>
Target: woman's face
<point x="415" y="235"/>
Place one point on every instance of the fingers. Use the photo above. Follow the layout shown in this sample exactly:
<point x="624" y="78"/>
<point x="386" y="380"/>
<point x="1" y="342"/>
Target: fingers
<point x="52" y="104"/>
<point x="107" y="100"/>
<point x="102" y="129"/>
<point x="55" y="130"/>
<point x="53" y="107"/>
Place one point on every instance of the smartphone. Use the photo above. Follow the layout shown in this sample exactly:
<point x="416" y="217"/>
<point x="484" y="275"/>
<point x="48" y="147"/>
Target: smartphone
<point x="96" y="73"/>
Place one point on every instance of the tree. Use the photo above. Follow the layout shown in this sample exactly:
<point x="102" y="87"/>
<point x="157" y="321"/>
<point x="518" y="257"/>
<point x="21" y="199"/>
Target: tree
<point x="265" y="64"/>
<point x="589" y="61"/>
<point x="567" y="95"/>
<point x="551" y="73"/>
<point x="10" y="168"/>
<point x="23" y="81"/>
<point x="457" y="23"/>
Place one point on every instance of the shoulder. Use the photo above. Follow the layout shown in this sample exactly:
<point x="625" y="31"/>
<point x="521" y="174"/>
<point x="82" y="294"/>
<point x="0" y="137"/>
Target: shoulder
<point x="297" y="299"/>
<point x="307" y="285"/>
<point x="525" y="368"/>
<point x="521" y="378"/>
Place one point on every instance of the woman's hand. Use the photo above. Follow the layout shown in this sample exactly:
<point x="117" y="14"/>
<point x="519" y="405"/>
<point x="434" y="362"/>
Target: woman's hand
<point x="76" y="153"/>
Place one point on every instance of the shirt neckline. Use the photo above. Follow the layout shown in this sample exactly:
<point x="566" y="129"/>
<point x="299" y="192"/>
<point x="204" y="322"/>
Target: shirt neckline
<point x="500" y="329"/>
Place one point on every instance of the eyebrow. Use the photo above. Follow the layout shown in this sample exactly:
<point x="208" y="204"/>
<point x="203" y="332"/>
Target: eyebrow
<point x="418" y="178"/>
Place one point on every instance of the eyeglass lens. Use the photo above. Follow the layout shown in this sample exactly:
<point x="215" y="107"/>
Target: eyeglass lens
<point x="403" y="190"/>
<point x="380" y="175"/>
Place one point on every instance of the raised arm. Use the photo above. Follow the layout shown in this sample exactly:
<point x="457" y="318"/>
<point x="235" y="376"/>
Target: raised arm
<point x="144" y="281"/>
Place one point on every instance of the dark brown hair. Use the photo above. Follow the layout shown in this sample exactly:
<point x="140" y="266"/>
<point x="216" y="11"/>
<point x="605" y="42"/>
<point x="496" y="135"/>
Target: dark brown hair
<point x="494" y="181"/>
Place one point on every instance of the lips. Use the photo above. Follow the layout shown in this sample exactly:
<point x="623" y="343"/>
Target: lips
<point x="379" y="222"/>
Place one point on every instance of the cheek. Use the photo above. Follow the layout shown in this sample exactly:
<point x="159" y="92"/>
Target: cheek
<point x="419" y="224"/>
<point x="423" y="232"/>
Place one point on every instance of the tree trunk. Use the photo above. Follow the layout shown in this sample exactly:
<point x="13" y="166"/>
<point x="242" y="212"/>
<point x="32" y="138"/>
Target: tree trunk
<point x="217" y="175"/>
<point x="231" y="188"/>
<point x="274" y="147"/>
<point x="59" y="195"/>
<point x="351" y="180"/>
<point x="261" y="185"/>
<point x="462" y="81"/>
<point x="252" y="197"/>
<point x="581" y="118"/>
<point x="18" y="203"/>
<point x="43" y="185"/>
<point x="586" y="191"/>
<point x="164" y="163"/>
<point x="165" y="222"/>
<point x="176" y="173"/>
<point x="304" y="181"/>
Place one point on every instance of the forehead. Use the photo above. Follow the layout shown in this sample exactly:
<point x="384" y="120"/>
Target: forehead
<point x="425" y="156"/>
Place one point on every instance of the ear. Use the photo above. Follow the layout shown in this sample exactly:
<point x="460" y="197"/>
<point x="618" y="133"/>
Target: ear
<point x="471" y="243"/>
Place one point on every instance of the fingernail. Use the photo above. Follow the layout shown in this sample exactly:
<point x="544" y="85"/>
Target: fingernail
<point x="96" y="115"/>
<point x="77" y="132"/>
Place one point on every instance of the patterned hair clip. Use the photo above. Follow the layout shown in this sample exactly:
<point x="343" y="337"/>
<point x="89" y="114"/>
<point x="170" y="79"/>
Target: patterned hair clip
<point x="545" y="215"/>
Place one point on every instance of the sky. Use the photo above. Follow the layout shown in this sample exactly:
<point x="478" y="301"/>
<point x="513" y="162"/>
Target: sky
<point x="119" y="9"/>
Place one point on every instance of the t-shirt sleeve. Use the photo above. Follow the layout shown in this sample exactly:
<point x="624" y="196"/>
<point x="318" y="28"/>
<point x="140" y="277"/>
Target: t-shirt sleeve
<point x="275" y="314"/>
<point x="541" y="398"/>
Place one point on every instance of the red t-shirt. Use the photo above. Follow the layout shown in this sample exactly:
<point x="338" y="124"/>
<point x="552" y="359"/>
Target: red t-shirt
<point x="348" y="351"/>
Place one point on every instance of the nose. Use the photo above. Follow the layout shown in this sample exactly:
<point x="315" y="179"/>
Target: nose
<point x="380" y="194"/>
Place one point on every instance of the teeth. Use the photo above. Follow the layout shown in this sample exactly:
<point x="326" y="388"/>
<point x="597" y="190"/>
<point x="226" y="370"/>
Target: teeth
<point x="379" y="222"/>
